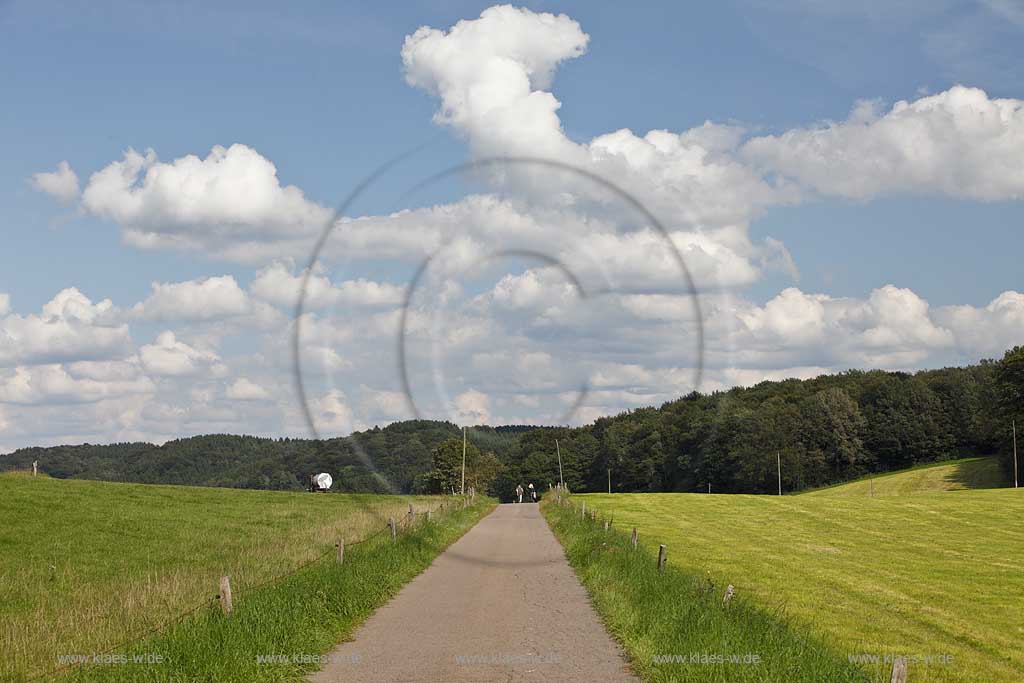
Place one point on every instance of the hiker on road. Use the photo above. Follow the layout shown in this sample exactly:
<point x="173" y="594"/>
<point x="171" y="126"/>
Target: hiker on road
<point x="533" y="493"/>
<point x="519" y="493"/>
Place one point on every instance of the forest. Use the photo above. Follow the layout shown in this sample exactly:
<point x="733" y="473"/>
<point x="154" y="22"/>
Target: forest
<point x="824" y="430"/>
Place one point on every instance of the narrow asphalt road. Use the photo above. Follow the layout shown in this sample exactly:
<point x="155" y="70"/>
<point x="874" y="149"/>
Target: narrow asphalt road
<point x="501" y="604"/>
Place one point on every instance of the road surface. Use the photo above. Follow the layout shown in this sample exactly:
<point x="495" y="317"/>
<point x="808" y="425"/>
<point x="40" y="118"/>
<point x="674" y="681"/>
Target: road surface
<point x="501" y="604"/>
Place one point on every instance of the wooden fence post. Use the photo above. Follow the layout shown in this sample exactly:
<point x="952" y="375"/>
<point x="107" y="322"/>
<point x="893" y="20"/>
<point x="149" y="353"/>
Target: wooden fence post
<point x="584" y="513"/>
<point x="899" y="670"/>
<point x="634" y="538"/>
<point x="341" y="550"/>
<point x="225" y="595"/>
<point x="394" y="531"/>
<point x="661" y="557"/>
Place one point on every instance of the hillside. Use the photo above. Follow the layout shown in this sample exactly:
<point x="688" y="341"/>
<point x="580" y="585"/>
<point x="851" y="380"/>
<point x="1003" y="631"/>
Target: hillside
<point x="954" y="475"/>
<point x="379" y="460"/>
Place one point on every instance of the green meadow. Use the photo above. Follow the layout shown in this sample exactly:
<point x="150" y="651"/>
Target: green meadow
<point x="916" y="570"/>
<point x="87" y="565"/>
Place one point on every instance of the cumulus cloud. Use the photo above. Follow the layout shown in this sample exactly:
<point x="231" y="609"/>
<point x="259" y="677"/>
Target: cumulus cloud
<point x="332" y="414"/>
<point x="988" y="330"/>
<point x="391" y="405"/>
<point x="70" y="327"/>
<point x="892" y="328"/>
<point x="212" y="298"/>
<point x="494" y="70"/>
<point x="169" y="357"/>
<point x="243" y="389"/>
<point x="62" y="183"/>
<point x="278" y="286"/>
<point x="490" y="75"/>
<point x="543" y="289"/>
<point x="472" y="407"/>
<point x="960" y="142"/>
<point x="230" y="203"/>
<point x="61" y="384"/>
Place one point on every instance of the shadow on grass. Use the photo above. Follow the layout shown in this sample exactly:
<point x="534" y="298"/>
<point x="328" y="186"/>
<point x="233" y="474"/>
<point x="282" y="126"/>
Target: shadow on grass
<point x="977" y="473"/>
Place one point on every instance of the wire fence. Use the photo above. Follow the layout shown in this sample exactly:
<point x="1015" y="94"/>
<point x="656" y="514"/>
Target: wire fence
<point x="405" y="522"/>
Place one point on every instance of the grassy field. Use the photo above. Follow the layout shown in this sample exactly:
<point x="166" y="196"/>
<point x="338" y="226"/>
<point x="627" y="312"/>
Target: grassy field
<point x="85" y="565"/>
<point x="929" y="575"/>
<point x="954" y="475"/>
<point x="674" y="624"/>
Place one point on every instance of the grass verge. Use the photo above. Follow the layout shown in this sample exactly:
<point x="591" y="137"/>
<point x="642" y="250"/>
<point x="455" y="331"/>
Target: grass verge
<point x="674" y="625"/>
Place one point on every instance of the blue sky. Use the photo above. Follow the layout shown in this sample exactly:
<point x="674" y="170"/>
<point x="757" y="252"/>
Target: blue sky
<point x="324" y="96"/>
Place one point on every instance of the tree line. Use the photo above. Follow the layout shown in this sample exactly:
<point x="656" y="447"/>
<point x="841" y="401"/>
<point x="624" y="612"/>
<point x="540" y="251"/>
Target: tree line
<point x="824" y="430"/>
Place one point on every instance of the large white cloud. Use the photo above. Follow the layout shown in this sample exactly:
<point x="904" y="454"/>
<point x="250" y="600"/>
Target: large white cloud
<point x="332" y="414"/>
<point x="230" y="202"/>
<point x="68" y="384"/>
<point x="473" y="407"/>
<point x="277" y="285"/>
<point x="960" y="142"/>
<point x="70" y="327"/>
<point x="491" y="73"/>
<point x="244" y="389"/>
<point x="212" y="298"/>
<point x="892" y="328"/>
<point x="167" y="356"/>
<point x="988" y="330"/>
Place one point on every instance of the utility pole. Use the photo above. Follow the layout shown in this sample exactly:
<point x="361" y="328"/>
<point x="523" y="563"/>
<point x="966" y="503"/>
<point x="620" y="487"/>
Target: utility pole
<point x="463" y="461"/>
<point x="609" y="481"/>
<point x="1014" y="454"/>
<point x="778" y="463"/>
<point x="561" y="480"/>
<point x="709" y="487"/>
